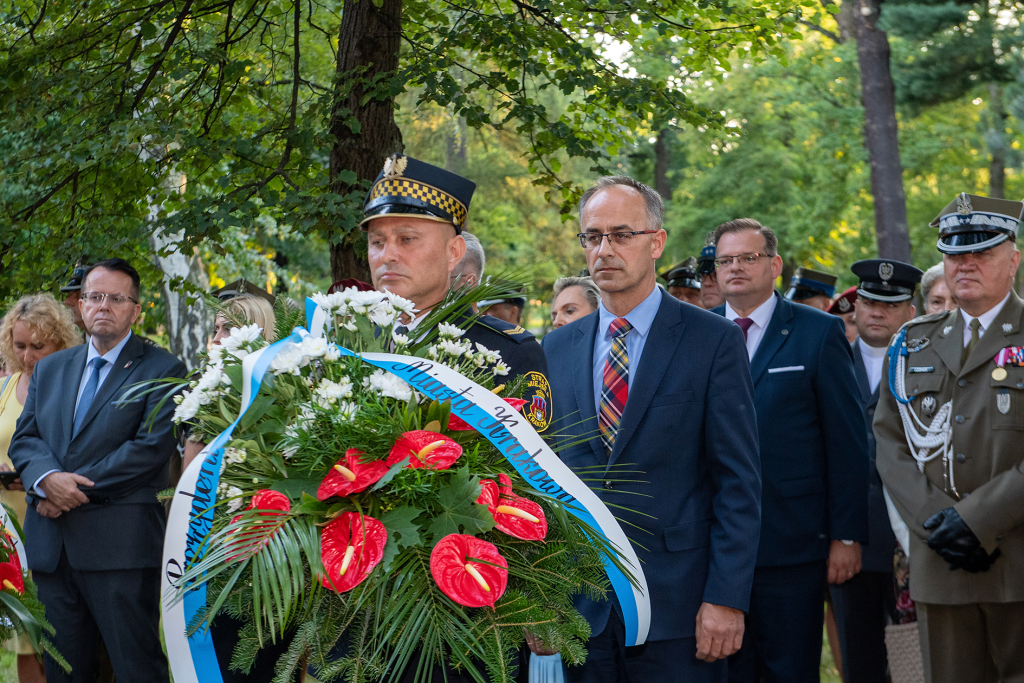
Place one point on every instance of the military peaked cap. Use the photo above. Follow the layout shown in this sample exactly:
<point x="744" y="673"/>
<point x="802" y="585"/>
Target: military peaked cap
<point x="886" y="280"/>
<point x="683" y="274"/>
<point x="409" y="187"/>
<point x="971" y="223"/>
<point x="807" y="283"/>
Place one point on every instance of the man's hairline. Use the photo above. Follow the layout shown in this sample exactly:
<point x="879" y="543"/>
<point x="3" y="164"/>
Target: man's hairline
<point x="131" y="283"/>
<point x="636" y="193"/>
<point x="757" y="231"/>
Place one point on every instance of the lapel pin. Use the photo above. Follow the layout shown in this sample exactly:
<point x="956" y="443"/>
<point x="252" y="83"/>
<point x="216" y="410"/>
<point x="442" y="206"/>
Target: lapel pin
<point x="1007" y="327"/>
<point x="127" y="365"/>
<point x="785" y="331"/>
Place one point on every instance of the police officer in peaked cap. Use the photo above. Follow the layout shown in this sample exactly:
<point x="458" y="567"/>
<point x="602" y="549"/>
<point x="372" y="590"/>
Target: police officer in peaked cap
<point x="865" y="603"/>
<point x="710" y="294"/>
<point x="956" y="394"/>
<point x="73" y="289"/>
<point x="812" y="288"/>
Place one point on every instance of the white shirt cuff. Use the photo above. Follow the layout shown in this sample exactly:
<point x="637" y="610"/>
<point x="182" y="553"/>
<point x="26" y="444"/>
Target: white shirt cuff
<point x="35" y="487"/>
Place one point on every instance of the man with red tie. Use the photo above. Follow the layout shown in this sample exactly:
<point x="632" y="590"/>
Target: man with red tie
<point x="654" y="396"/>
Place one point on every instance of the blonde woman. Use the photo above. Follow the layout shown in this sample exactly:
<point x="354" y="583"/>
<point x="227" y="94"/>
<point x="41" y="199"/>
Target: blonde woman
<point x="35" y="327"/>
<point x="251" y="309"/>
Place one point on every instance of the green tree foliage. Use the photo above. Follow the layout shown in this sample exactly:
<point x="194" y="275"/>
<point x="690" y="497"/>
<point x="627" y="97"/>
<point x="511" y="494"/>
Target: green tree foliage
<point x="103" y="101"/>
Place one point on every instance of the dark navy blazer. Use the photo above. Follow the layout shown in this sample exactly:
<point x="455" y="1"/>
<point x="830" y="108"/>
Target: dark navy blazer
<point x="122" y="527"/>
<point x="814" y="451"/>
<point x="878" y="553"/>
<point x="684" y="468"/>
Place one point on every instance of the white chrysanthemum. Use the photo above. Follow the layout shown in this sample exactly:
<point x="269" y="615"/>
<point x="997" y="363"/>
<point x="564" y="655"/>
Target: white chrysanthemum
<point x="235" y="494"/>
<point x="241" y="336"/>
<point x="211" y="379"/>
<point x="313" y="347"/>
<point x="383" y="314"/>
<point x="432" y="351"/>
<point x="389" y="385"/>
<point x="332" y="353"/>
<point x="188" y="407"/>
<point x="328" y="392"/>
<point x="362" y="302"/>
<point x="450" y="331"/>
<point x="453" y="348"/>
<point x="491" y="356"/>
<point x="500" y="369"/>
<point x="346" y="412"/>
<point x="400" y="339"/>
<point x="350" y="326"/>
<point x="216" y="354"/>
<point x="332" y="303"/>
<point x="288" y="361"/>
<point x="234" y="456"/>
<point x="401" y="303"/>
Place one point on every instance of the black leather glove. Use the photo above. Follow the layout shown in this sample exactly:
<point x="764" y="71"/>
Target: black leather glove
<point x="954" y="541"/>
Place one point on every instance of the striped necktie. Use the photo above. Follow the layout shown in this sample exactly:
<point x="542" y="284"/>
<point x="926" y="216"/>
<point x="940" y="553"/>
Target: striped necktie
<point x="615" y="387"/>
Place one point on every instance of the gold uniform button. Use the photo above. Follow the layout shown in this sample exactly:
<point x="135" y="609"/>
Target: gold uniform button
<point x="999" y="374"/>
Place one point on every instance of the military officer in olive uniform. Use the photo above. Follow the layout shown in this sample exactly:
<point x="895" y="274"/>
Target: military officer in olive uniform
<point x="682" y="282"/>
<point x="950" y="435"/>
<point x="867" y="602"/>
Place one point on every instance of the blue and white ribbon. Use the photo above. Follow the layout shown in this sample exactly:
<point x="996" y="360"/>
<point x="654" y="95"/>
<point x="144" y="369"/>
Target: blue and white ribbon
<point x="193" y="660"/>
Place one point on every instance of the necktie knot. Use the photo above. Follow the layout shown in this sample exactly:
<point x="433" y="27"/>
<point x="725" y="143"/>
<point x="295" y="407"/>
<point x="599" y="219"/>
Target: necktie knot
<point x="98" y="363"/>
<point x="620" y="327"/>
<point x="744" y="324"/>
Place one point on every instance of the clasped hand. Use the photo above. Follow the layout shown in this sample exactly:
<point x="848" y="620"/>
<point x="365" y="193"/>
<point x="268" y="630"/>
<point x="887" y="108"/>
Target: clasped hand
<point x="954" y="541"/>
<point x="719" y="631"/>
<point x="62" y="493"/>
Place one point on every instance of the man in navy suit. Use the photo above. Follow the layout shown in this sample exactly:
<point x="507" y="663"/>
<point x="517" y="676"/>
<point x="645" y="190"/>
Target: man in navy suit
<point x="864" y="604"/>
<point x="814" y="461"/>
<point x="656" y="396"/>
<point x="93" y="466"/>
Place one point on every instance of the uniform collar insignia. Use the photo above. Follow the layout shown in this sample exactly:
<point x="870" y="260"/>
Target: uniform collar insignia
<point x="947" y="329"/>
<point x="1007" y="327"/>
<point x="395" y="166"/>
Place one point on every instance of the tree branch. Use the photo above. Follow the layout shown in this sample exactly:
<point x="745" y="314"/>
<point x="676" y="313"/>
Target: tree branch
<point x="822" y="30"/>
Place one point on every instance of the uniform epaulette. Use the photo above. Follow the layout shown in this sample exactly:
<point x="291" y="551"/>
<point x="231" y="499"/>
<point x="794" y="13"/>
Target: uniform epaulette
<point x="513" y="332"/>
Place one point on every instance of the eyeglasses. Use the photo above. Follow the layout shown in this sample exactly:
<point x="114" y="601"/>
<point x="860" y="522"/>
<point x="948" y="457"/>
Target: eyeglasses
<point x="95" y="298"/>
<point x="742" y="259"/>
<point x="592" y="240"/>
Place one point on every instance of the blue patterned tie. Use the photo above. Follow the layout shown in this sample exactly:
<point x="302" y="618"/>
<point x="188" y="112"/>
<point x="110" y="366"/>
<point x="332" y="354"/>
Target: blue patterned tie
<point x="88" y="394"/>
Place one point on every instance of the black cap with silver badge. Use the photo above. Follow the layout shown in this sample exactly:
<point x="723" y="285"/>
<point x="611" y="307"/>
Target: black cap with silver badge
<point x="886" y="280"/>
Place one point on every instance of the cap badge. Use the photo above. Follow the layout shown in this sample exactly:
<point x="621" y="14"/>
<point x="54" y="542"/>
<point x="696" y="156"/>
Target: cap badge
<point x="963" y="204"/>
<point x="844" y="305"/>
<point x="885" y="271"/>
<point x="1007" y="327"/>
<point x="915" y="345"/>
<point x="928" y="405"/>
<point x="395" y="165"/>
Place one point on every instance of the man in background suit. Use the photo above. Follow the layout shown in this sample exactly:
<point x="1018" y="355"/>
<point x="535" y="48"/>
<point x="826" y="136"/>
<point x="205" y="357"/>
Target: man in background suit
<point x="814" y="462"/>
<point x="94" y="528"/>
<point x="650" y="384"/>
<point x="864" y="604"/>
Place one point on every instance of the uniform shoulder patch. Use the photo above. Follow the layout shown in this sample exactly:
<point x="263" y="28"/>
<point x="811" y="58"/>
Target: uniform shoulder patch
<point x="537" y="392"/>
<point x="514" y="332"/>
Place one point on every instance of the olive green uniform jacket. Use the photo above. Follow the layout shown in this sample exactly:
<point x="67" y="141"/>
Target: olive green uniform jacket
<point x="988" y="452"/>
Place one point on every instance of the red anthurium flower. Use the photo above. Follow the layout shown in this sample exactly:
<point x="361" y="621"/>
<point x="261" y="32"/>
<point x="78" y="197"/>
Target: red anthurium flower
<point x="11" y="550"/>
<point x="425" y="449"/>
<point x="457" y="424"/>
<point x="464" y="568"/>
<point x="11" y="578"/>
<point x="350" y="547"/>
<point x="351" y="475"/>
<point x="514" y="515"/>
<point x="250" y="538"/>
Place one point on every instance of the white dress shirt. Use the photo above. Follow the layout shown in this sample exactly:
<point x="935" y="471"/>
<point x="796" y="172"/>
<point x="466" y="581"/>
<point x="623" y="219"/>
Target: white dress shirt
<point x="873" y="359"/>
<point x="111" y="358"/>
<point x="762" y="315"/>
<point x="986" y="319"/>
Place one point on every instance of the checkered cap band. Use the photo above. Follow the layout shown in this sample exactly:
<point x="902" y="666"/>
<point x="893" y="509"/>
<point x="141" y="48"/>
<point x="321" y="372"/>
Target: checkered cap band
<point x="404" y="188"/>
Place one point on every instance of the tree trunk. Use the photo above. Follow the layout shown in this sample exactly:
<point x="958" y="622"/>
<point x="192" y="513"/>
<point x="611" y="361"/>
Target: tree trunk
<point x="661" y="160"/>
<point x="368" y="45"/>
<point x="880" y="135"/>
<point x="187" y="323"/>
<point x="996" y="139"/>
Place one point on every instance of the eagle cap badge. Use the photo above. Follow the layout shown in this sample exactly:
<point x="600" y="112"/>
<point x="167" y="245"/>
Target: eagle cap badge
<point x="1007" y="327"/>
<point x="844" y="305"/>
<point x="885" y="271"/>
<point x="395" y="165"/>
<point x="963" y="204"/>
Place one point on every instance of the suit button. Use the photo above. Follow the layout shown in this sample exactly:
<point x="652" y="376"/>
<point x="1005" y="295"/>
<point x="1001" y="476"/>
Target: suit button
<point x="608" y="484"/>
<point x="962" y="383"/>
<point x="961" y="458"/>
<point x="959" y="419"/>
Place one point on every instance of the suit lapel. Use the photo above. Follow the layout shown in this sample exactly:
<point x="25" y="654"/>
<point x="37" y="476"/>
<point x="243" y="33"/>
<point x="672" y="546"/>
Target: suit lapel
<point x="660" y="348"/>
<point x="862" y="374"/>
<point x="583" y="381"/>
<point x="124" y="366"/>
<point x="71" y="382"/>
<point x="779" y="328"/>
<point x="995" y="339"/>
